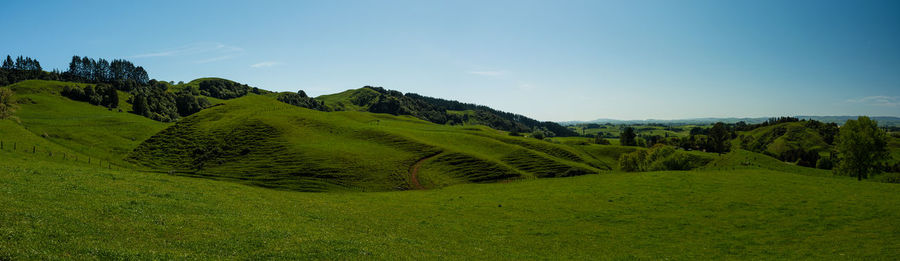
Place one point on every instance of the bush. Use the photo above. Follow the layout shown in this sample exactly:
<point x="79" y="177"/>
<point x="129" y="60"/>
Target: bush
<point x="633" y="162"/>
<point x="600" y="140"/>
<point x="888" y="178"/>
<point x="537" y="134"/>
<point x="659" y="158"/>
<point x="7" y="103"/>
<point x="824" y="163"/>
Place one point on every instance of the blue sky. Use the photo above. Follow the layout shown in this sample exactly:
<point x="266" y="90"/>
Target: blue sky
<point x="551" y="60"/>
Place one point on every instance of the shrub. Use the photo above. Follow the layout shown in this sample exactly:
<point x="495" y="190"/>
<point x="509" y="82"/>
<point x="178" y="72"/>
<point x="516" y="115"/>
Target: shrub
<point x="824" y="163"/>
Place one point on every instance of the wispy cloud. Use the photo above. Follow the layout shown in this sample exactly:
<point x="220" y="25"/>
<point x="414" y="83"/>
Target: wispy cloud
<point x="264" y="64"/>
<point x="879" y="100"/>
<point x="526" y="86"/>
<point x="204" y="52"/>
<point x="488" y="73"/>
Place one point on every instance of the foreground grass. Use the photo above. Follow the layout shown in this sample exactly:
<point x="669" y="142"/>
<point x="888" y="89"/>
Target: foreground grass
<point x="51" y="210"/>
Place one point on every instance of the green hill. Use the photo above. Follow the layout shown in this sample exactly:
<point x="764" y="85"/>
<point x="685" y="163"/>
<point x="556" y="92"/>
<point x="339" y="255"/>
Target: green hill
<point x="791" y="142"/>
<point x="92" y="131"/>
<point x="261" y="141"/>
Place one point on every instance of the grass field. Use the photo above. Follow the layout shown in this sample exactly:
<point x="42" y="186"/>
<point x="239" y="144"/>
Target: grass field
<point x="92" y="131"/>
<point x="52" y="209"/>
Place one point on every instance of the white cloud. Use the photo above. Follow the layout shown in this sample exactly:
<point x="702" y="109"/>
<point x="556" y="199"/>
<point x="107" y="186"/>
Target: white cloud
<point x="203" y="52"/>
<point x="264" y="64"/>
<point x="488" y="73"/>
<point x="878" y="100"/>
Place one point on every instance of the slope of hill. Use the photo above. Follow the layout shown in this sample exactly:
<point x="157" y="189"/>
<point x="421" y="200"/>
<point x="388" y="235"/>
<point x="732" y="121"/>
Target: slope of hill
<point x="94" y="131"/>
<point x="380" y="100"/>
<point x="261" y="141"/>
<point x="791" y="142"/>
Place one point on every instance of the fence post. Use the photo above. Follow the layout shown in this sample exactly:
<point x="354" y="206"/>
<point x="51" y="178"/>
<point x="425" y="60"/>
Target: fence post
<point x="32" y="150"/>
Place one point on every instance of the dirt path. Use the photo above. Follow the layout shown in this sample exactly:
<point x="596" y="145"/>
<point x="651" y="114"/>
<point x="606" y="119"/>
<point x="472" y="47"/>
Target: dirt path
<point x="414" y="171"/>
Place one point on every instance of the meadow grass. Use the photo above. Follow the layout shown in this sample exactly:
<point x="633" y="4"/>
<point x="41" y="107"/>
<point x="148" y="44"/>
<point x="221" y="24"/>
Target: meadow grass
<point x="52" y="209"/>
<point x="94" y="131"/>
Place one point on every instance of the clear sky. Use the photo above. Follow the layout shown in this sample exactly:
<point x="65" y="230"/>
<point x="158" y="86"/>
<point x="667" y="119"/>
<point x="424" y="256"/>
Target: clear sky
<point x="550" y="60"/>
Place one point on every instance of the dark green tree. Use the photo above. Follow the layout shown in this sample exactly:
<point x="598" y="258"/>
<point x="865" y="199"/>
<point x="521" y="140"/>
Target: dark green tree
<point x="718" y="137"/>
<point x="627" y="137"/>
<point x="862" y="147"/>
<point x="8" y="63"/>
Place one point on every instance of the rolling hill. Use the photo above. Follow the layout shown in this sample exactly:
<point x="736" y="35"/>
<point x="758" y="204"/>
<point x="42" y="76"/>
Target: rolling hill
<point x="259" y="140"/>
<point x="126" y="204"/>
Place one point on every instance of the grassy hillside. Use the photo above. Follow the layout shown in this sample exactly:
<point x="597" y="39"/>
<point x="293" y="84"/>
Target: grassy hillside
<point x="261" y="141"/>
<point x="349" y="100"/>
<point x="57" y="210"/>
<point x="78" y="126"/>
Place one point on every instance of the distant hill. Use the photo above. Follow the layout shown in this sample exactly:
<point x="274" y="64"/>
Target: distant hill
<point x="882" y="120"/>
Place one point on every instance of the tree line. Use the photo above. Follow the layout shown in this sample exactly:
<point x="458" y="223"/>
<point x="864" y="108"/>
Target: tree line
<point x="118" y="71"/>
<point x="24" y="68"/>
<point x="435" y="110"/>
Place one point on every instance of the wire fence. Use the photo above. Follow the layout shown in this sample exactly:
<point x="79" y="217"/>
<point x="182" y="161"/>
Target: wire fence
<point x="36" y="151"/>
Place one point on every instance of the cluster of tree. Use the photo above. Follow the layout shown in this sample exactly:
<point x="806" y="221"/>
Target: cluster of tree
<point x="300" y="99"/>
<point x="484" y="115"/>
<point x="102" y="95"/>
<point x="225" y="89"/>
<point x="714" y="139"/>
<point x="155" y="102"/>
<point x="659" y="157"/>
<point x="23" y="68"/>
<point x="119" y="72"/>
<point x="743" y="126"/>
<point x="187" y="103"/>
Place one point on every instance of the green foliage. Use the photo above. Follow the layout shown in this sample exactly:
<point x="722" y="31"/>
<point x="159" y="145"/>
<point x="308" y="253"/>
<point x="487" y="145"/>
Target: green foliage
<point x="862" y="148"/>
<point x="301" y="100"/>
<point x="188" y="104"/>
<point x="100" y="94"/>
<point x="118" y="72"/>
<point x="660" y="157"/>
<point x="719" y="136"/>
<point x="600" y="140"/>
<point x="7" y="103"/>
<point x="223" y="89"/>
<point x="380" y="100"/>
<point x="628" y="137"/>
<point x="160" y="104"/>
<point x="824" y="163"/>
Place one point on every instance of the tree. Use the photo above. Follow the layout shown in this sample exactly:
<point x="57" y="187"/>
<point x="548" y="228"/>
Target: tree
<point x="7" y="103"/>
<point x="8" y="63"/>
<point x="862" y="147"/>
<point x="140" y="106"/>
<point x="627" y="137"/>
<point x="718" y="136"/>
